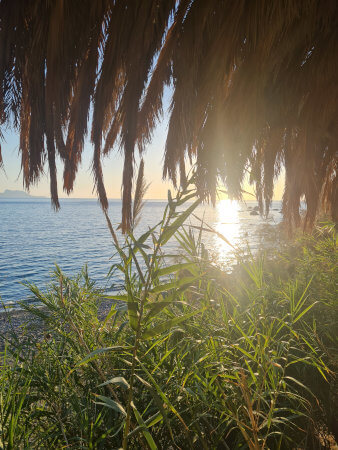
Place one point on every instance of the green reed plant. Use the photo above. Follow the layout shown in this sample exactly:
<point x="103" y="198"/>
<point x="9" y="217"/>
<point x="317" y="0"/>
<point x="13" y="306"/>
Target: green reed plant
<point x="153" y="292"/>
<point x="14" y="403"/>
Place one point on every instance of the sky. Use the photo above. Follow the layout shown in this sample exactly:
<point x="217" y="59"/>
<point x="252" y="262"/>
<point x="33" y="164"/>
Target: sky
<point x="11" y="176"/>
<point x="12" y="179"/>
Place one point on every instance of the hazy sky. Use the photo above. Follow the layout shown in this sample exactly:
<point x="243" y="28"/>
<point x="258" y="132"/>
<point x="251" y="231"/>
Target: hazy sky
<point x="112" y="169"/>
<point x="11" y="178"/>
<point x="83" y="187"/>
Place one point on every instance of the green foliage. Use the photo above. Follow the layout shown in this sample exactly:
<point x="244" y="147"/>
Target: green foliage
<point x="187" y="356"/>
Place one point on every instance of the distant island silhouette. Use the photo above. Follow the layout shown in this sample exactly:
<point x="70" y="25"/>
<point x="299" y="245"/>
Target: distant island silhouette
<point x="18" y="194"/>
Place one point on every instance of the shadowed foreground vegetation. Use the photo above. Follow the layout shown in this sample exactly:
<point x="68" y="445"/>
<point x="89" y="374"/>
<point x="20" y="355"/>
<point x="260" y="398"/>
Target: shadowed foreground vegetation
<point x="188" y="356"/>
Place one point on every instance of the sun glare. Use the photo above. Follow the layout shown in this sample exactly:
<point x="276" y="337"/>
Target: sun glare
<point x="228" y="225"/>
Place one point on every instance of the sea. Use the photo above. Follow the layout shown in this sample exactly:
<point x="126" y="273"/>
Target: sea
<point x="34" y="237"/>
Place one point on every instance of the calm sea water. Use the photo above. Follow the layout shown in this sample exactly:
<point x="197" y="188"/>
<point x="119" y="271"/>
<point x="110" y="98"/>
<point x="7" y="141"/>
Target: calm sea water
<point x="33" y="238"/>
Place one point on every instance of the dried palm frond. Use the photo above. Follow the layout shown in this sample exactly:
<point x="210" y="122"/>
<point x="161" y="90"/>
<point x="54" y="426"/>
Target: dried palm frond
<point x="140" y="190"/>
<point x="254" y="87"/>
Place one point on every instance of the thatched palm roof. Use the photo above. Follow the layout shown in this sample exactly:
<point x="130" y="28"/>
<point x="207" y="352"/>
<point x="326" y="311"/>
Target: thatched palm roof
<point x="255" y="88"/>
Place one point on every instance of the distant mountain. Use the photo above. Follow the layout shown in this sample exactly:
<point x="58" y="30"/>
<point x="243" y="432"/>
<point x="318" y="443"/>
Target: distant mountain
<point x="17" y="194"/>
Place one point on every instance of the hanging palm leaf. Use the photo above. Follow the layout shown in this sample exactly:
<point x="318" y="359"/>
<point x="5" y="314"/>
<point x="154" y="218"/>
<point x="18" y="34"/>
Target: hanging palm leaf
<point x="254" y="87"/>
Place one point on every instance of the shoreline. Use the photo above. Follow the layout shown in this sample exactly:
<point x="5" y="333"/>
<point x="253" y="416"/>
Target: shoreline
<point x="25" y="325"/>
<point x="18" y="322"/>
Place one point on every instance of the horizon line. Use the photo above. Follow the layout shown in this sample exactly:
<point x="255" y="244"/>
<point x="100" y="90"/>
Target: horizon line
<point x="43" y="197"/>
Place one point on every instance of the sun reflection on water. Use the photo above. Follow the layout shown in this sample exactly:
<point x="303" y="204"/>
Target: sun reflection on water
<point x="228" y="224"/>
